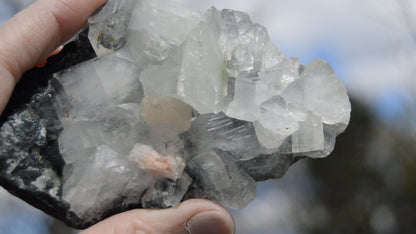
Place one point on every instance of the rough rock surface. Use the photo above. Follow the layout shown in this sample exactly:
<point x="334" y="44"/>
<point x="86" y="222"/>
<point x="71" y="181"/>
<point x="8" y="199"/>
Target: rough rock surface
<point x="178" y="104"/>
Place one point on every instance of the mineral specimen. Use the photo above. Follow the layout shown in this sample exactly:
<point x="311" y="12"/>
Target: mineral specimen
<point x="179" y="104"/>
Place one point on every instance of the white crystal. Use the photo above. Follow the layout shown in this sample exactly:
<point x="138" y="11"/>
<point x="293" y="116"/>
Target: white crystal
<point x="274" y="125"/>
<point x="121" y="127"/>
<point x="276" y="117"/>
<point x="246" y="58"/>
<point x="218" y="131"/>
<point x="233" y="25"/>
<point x="325" y="94"/>
<point x="244" y="105"/>
<point x="310" y="136"/>
<point x="93" y="85"/>
<point x="121" y="80"/>
<point x="272" y="56"/>
<point x="162" y="79"/>
<point x="223" y="181"/>
<point x="88" y="184"/>
<point x="270" y="142"/>
<point x="166" y="193"/>
<point x="202" y="82"/>
<point x="152" y="29"/>
<point x="187" y="103"/>
<point x="108" y="28"/>
<point x="273" y="81"/>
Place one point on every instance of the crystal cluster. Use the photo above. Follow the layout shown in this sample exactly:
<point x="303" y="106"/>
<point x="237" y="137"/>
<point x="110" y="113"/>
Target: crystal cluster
<point x="180" y="103"/>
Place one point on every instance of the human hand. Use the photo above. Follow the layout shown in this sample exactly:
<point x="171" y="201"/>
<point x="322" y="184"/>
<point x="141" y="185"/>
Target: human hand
<point x="29" y="38"/>
<point x="196" y="216"/>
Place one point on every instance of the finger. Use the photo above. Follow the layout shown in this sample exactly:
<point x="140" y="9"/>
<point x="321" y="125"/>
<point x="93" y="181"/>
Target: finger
<point x="38" y="30"/>
<point x="34" y="33"/>
<point x="194" y="216"/>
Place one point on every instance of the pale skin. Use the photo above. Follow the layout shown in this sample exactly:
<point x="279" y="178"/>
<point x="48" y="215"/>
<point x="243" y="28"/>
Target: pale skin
<point x="29" y="38"/>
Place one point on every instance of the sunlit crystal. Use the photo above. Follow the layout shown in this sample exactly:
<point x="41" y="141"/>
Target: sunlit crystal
<point x="188" y="104"/>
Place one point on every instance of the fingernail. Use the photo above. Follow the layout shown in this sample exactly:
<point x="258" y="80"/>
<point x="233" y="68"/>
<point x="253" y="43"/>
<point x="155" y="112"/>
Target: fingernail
<point x="210" y="222"/>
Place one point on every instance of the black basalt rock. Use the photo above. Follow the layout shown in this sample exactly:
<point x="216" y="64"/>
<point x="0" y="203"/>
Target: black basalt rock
<point x="30" y="163"/>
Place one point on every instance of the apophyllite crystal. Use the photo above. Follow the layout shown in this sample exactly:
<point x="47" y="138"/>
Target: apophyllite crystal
<point x="179" y="101"/>
<point x="181" y="104"/>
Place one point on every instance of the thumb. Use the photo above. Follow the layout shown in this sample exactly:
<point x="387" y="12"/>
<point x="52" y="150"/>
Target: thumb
<point x="31" y="35"/>
<point x="194" y="216"/>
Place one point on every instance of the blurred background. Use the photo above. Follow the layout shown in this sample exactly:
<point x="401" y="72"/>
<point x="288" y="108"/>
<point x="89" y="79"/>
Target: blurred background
<point x="368" y="184"/>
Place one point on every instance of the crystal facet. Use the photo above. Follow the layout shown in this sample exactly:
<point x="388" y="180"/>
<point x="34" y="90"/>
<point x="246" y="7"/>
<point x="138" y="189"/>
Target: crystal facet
<point x="191" y="93"/>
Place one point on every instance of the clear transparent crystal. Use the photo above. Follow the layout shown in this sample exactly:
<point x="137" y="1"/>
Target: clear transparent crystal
<point x="188" y="105"/>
